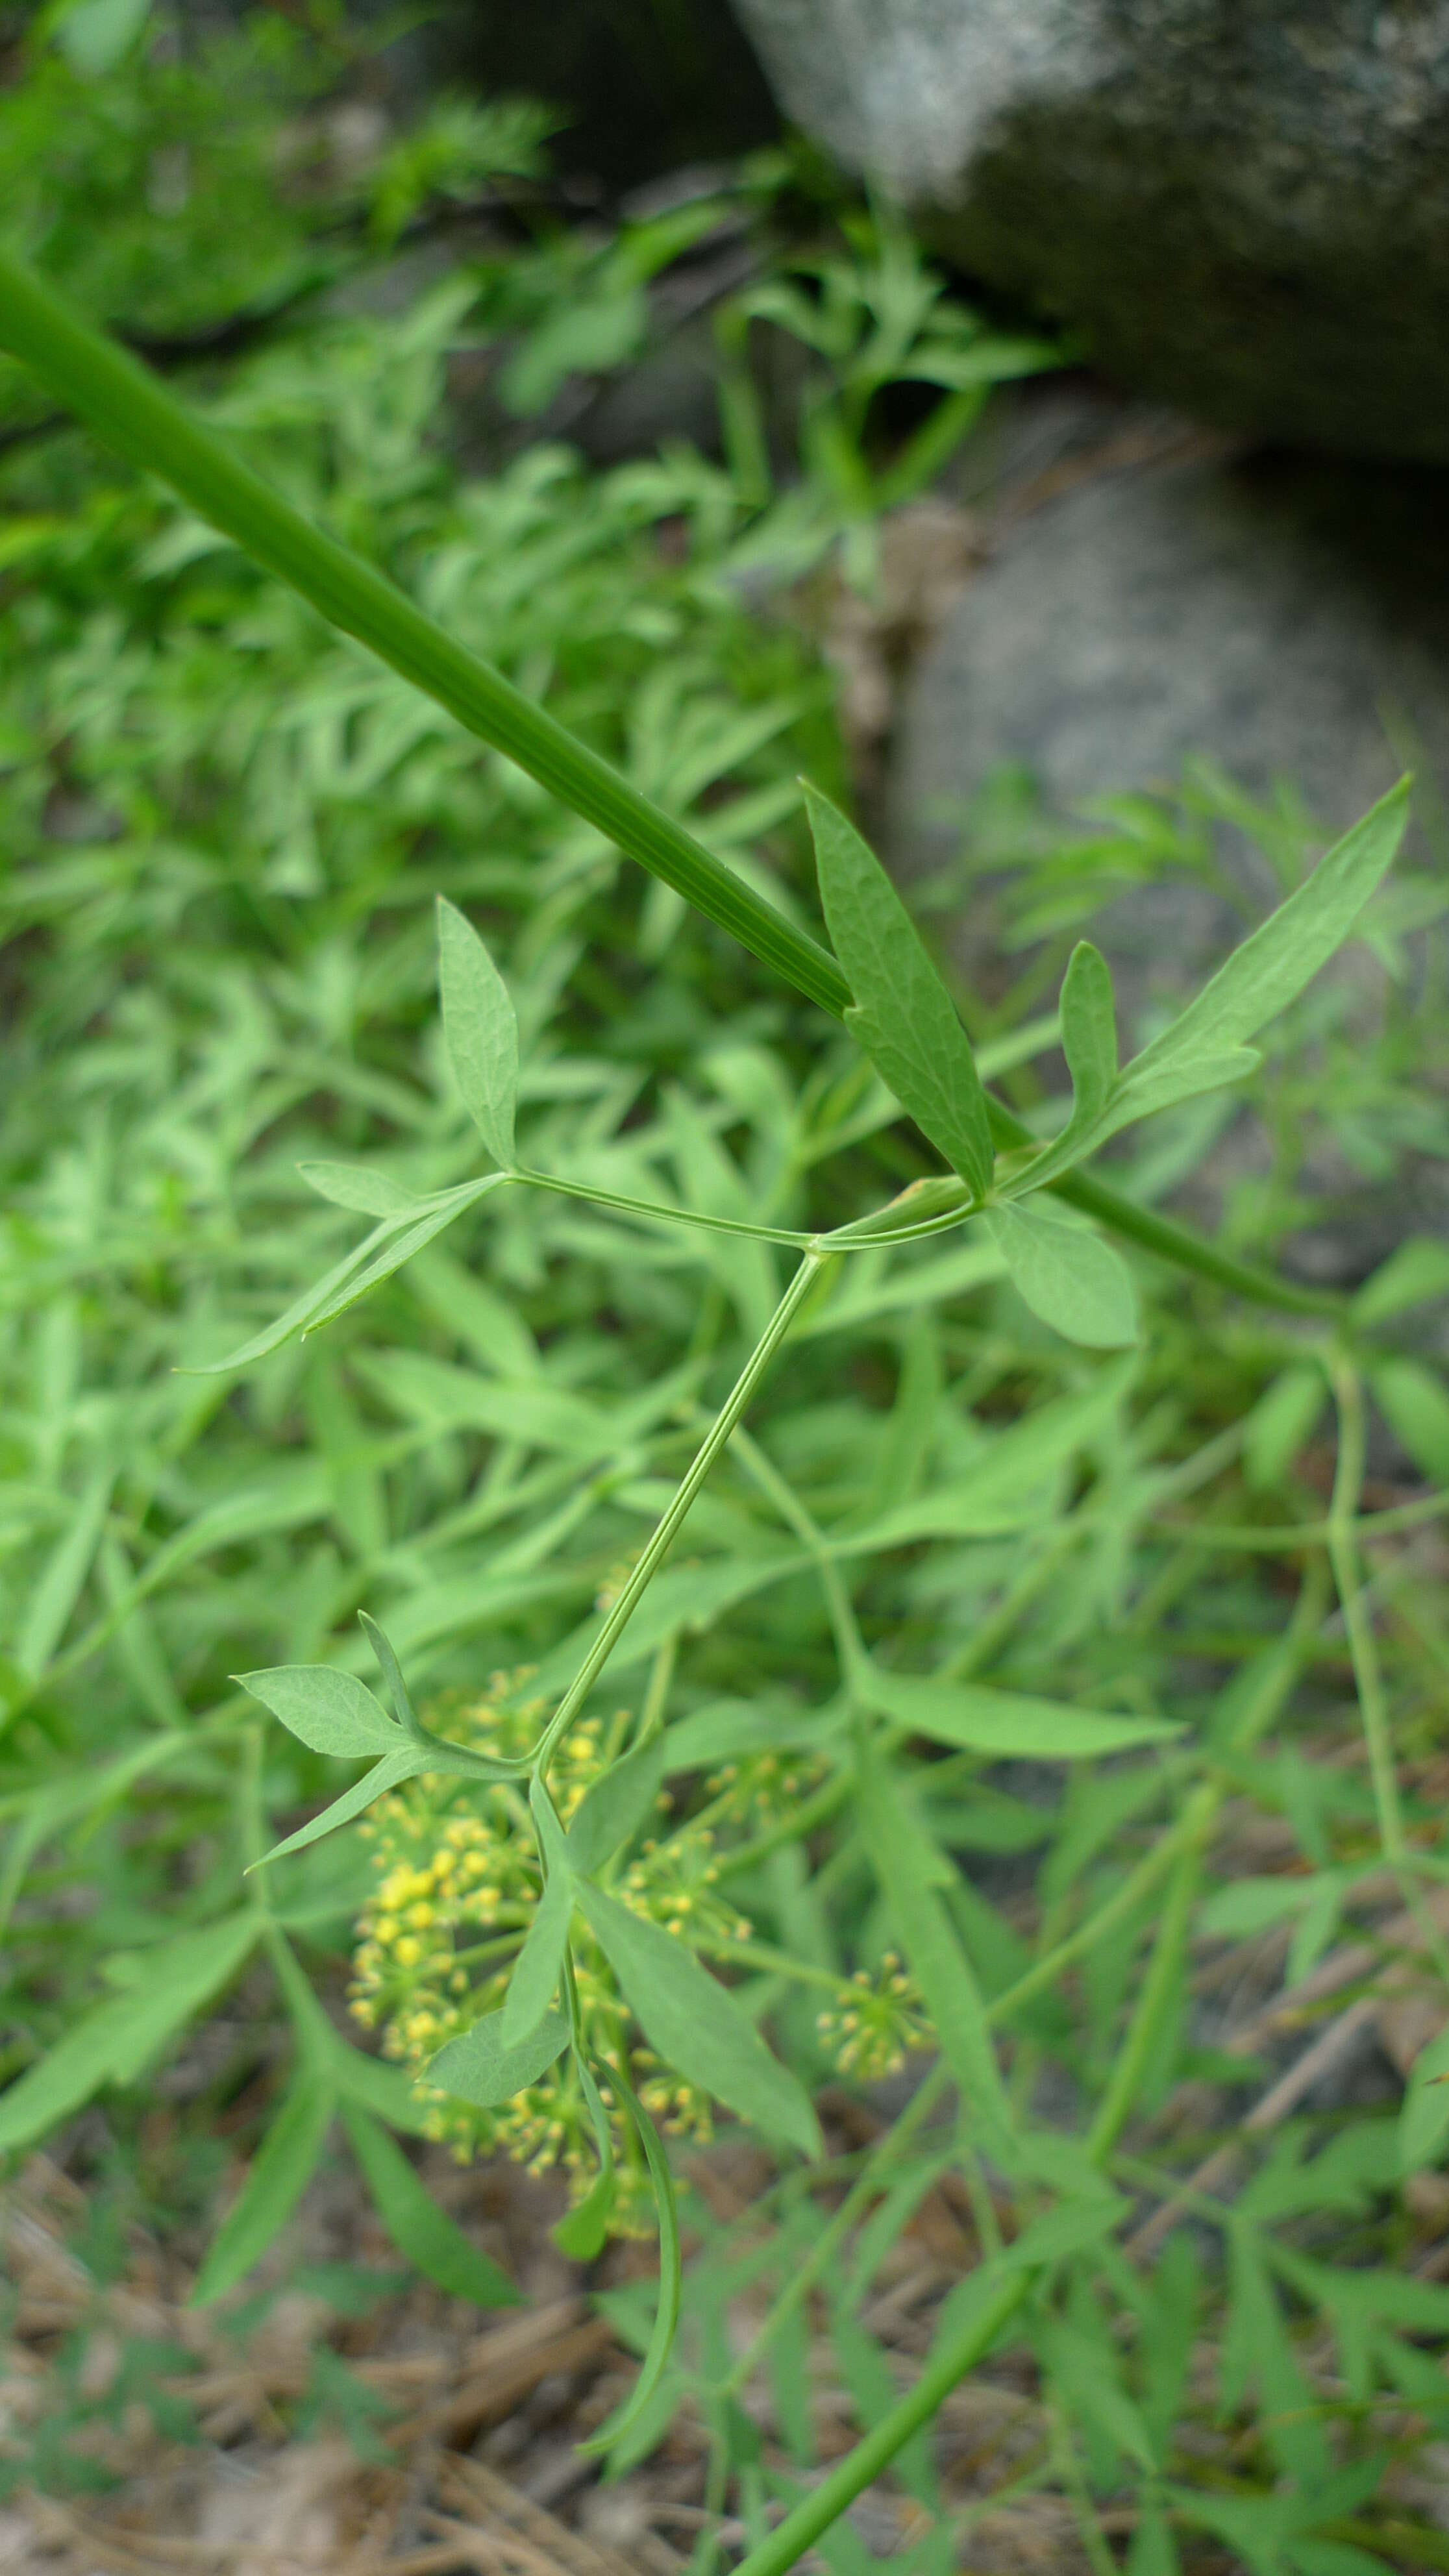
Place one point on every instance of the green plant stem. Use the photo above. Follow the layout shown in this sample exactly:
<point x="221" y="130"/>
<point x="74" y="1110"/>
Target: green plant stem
<point x="668" y="1528"/>
<point x="866" y="1234"/>
<point x="859" y="2469"/>
<point x="136" y="415"/>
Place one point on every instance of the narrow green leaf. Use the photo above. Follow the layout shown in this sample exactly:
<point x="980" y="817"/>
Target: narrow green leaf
<point x="1154" y="2550"/>
<point x="390" y="1244"/>
<point x="582" y="2233"/>
<point x="330" y="1710"/>
<point x="1280" y="1422"/>
<point x="903" y="1016"/>
<point x="1091" y="2392"/>
<point x="1185" y="1076"/>
<point x="666" y="2315"/>
<point x="1267" y="972"/>
<point x="478" y="2067"/>
<point x="300" y="1313"/>
<point x="481" y="1031"/>
<point x="1089" y="1030"/>
<point x="1002" y="1724"/>
<point x="908" y="1870"/>
<point x="113" y="2042"/>
<point x="55" y="1592"/>
<point x="695" y="2025"/>
<point x="402" y="1765"/>
<point x="1415" y="1405"/>
<point x="432" y="2242"/>
<point x="358" y="1187"/>
<point x="392" y="1674"/>
<point x="616" y="1806"/>
<point x="280" y="2172"/>
<point x="1417" y="1271"/>
<point x="1068" y="2229"/>
<point x="534" y="1982"/>
<point x="415" y="1234"/>
<point x="1066" y="1274"/>
<point x="1424" y="2119"/>
<point x="1248" y="1905"/>
<point x="386" y="2091"/>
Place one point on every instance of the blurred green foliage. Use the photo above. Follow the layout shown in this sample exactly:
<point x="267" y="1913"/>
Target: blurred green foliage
<point x="223" y="831"/>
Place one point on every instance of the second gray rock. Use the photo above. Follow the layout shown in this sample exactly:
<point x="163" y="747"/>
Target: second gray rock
<point x="1245" y="206"/>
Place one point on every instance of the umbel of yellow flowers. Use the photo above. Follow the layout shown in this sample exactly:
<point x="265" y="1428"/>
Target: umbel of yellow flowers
<point x="458" y="1879"/>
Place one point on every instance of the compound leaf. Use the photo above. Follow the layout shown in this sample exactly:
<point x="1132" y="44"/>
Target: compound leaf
<point x="417" y="1231"/>
<point x="390" y="1244"/>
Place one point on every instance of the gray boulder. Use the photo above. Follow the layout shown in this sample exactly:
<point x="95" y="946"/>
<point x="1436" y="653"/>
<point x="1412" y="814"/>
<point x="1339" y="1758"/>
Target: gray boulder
<point x="1243" y="203"/>
<point x="1147" y="595"/>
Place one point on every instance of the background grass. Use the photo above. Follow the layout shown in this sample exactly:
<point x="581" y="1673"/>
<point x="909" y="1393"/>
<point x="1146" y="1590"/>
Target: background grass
<point x="223" y="834"/>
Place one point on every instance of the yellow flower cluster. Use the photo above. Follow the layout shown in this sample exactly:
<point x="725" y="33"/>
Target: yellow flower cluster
<point x="874" y="2022"/>
<point x="458" y="1880"/>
